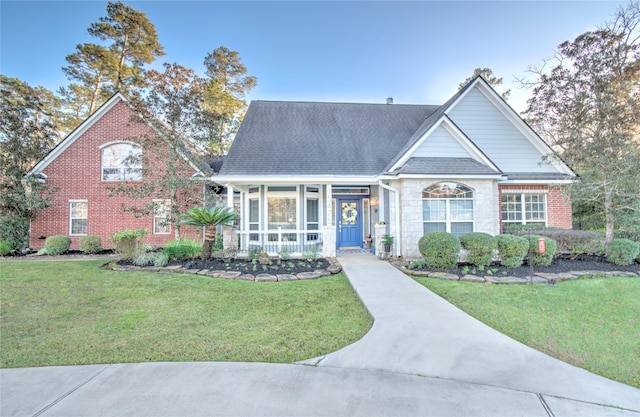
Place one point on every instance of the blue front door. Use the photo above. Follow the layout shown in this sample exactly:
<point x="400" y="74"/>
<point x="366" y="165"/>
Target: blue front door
<point x="349" y="222"/>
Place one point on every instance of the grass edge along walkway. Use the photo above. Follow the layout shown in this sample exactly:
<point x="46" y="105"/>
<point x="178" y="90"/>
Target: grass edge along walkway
<point x="590" y="323"/>
<point x="74" y="313"/>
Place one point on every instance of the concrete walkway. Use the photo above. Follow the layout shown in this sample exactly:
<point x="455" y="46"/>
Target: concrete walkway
<point x="422" y="357"/>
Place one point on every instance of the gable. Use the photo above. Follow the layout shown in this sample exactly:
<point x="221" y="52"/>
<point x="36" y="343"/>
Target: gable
<point x="440" y="143"/>
<point x="505" y="139"/>
<point x="110" y="123"/>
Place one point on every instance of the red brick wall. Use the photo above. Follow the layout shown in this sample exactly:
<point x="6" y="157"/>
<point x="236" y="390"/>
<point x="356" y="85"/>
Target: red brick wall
<point x="76" y="174"/>
<point x="558" y="204"/>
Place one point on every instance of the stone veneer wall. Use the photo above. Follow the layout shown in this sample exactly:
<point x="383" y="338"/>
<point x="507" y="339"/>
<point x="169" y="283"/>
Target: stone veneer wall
<point x="486" y="209"/>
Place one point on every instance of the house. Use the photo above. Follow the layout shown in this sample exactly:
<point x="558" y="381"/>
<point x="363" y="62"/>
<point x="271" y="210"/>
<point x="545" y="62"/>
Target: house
<point x="113" y="147"/>
<point x="325" y="176"/>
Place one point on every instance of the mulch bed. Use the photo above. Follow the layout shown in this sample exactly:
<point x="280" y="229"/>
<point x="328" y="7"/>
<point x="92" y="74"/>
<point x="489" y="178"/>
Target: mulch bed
<point x="275" y="266"/>
<point x="561" y="264"/>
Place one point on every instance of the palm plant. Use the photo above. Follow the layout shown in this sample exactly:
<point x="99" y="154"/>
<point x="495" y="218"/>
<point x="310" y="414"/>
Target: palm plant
<point x="208" y="218"/>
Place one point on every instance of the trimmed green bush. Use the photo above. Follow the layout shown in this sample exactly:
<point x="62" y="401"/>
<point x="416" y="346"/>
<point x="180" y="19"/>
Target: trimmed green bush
<point x="57" y="245"/>
<point x="127" y="242"/>
<point x="439" y="250"/>
<point x="512" y="250"/>
<point x="542" y="259"/>
<point x="90" y="244"/>
<point x="622" y="251"/>
<point x="480" y="247"/>
<point x="183" y="249"/>
<point x="5" y="247"/>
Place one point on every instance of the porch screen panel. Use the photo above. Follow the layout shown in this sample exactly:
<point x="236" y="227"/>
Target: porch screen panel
<point x="313" y="217"/>
<point x="282" y="215"/>
<point x="254" y="218"/>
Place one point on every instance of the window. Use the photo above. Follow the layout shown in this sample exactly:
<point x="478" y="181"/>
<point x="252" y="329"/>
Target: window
<point x="121" y="162"/>
<point x="447" y="207"/>
<point x="78" y="213"/>
<point x="524" y="208"/>
<point x="161" y="217"/>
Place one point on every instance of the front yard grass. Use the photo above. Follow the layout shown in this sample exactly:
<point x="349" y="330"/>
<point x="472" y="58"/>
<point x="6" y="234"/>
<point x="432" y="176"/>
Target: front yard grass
<point x="590" y="323"/>
<point x="72" y="313"/>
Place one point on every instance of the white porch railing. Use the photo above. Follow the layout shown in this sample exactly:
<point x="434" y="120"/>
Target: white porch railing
<point x="274" y="242"/>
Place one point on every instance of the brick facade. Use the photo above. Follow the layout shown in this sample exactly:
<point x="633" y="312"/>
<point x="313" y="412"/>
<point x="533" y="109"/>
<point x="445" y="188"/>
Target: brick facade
<point x="558" y="203"/>
<point x="76" y="175"/>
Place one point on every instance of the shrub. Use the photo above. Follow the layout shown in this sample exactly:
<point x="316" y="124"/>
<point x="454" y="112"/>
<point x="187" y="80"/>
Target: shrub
<point x="622" y="251"/>
<point x="575" y="242"/>
<point x="57" y="245"/>
<point x="480" y="246"/>
<point x="439" y="250"/>
<point x="5" y="247"/>
<point x="144" y="259"/>
<point x="254" y="252"/>
<point x="542" y="259"/>
<point x="521" y="229"/>
<point x="161" y="260"/>
<point x="512" y="250"/>
<point x="127" y="242"/>
<point x="183" y="249"/>
<point x="90" y="244"/>
<point x="284" y="253"/>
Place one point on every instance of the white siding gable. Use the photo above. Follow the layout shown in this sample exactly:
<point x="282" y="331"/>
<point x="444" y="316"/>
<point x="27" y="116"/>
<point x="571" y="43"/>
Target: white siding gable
<point x="440" y="143"/>
<point x="496" y="135"/>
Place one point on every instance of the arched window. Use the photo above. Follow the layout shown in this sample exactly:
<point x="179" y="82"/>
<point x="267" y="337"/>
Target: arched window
<point x="447" y="207"/>
<point x="121" y="162"/>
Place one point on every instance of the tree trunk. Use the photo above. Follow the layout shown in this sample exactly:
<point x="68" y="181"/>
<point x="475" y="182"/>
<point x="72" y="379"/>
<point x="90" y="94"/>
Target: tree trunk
<point x="209" y="237"/>
<point x="608" y="215"/>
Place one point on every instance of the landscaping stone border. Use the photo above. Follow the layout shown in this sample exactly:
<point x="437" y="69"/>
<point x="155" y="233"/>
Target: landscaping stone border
<point x="537" y="278"/>
<point x="333" y="268"/>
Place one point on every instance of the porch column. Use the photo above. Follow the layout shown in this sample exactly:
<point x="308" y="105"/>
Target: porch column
<point x="329" y="206"/>
<point x="230" y="195"/>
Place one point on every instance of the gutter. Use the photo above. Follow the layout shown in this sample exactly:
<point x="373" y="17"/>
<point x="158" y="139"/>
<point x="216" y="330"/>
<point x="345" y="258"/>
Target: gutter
<point x="397" y="214"/>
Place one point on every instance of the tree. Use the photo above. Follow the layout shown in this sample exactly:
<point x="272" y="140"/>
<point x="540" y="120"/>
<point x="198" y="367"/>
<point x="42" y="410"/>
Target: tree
<point x="209" y="218"/>
<point x="586" y="104"/>
<point x="489" y="77"/>
<point x="168" y="106"/>
<point x="224" y="99"/>
<point x="27" y="133"/>
<point x="135" y="43"/>
<point x="92" y="65"/>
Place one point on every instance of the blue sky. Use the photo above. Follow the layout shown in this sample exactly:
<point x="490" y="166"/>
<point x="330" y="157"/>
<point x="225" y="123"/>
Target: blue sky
<point x="358" y="51"/>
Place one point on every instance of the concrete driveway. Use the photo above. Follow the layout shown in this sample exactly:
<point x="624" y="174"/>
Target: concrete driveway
<point x="422" y="357"/>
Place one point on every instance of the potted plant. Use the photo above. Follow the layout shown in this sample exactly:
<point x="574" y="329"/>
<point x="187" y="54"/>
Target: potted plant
<point x="387" y="241"/>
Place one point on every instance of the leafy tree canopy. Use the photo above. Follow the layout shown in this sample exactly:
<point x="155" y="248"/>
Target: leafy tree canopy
<point x="489" y="77"/>
<point x="586" y="104"/>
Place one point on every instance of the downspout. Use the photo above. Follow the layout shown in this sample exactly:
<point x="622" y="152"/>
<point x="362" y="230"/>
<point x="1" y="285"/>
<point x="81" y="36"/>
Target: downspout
<point x="397" y="214"/>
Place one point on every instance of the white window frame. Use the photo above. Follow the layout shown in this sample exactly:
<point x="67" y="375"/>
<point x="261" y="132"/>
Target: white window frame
<point x="523" y="207"/>
<point x="71" y="218"/>
<point x="447" y="200"/>
<point x="157" y="220"/>
<point x="122" y="167"/>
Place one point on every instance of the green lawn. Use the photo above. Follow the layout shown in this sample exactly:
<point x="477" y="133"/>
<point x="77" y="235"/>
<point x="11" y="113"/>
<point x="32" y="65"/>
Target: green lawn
<point x="591" y="323"/>
<point x="69" y="313"/>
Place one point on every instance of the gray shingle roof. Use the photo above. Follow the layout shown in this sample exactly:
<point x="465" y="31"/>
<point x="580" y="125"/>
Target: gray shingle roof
<point x="445" y="166"/>
<point x="303" y="138"/>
